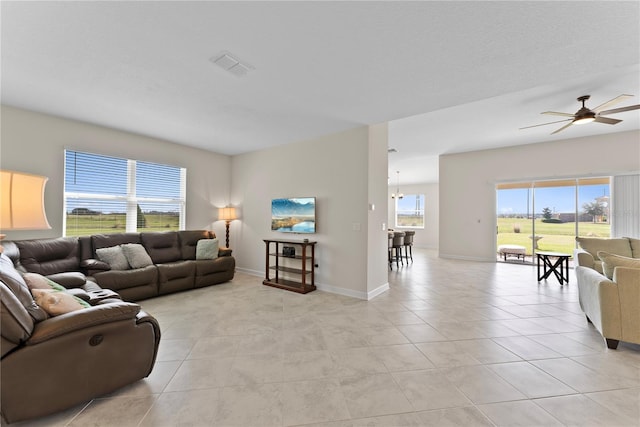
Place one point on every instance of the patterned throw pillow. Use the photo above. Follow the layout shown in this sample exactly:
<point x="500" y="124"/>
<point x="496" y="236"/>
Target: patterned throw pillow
<point x="114" y="256"/>
<point x="56" y="303"/>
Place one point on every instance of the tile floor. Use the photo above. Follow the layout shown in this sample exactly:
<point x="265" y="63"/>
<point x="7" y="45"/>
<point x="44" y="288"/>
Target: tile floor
<point x="452" y="343"/>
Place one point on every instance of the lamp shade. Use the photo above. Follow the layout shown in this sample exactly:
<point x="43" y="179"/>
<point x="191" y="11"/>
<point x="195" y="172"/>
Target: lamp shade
<point x="227" y="214"/>
<point x="22" y="201"/>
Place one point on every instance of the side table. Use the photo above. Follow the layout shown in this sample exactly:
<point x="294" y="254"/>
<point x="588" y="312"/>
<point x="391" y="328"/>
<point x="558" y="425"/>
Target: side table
<point x="555" y="267"/>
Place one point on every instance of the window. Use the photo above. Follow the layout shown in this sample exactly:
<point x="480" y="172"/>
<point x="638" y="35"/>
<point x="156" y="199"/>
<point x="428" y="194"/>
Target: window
<point x="112" y="195"/>
<point x="410" y="211"/>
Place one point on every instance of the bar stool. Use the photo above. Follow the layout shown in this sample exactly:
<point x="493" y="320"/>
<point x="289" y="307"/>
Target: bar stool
<point x="390" y="249"/>
<point x="398" y="243"/>
<point x="408" y="243"/>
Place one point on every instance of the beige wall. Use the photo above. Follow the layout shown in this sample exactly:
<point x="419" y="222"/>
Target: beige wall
<point x="334" y="169"/>
<point x="428" y="236"/>
<point x="35" y="143"/>
<point x="467" y="183"/>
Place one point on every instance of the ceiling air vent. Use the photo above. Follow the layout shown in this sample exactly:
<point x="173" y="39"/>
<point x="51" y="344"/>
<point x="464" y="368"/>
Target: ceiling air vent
<point x="231" y="64"/>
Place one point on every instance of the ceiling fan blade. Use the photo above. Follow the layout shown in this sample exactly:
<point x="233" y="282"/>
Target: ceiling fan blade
<point x="563" y="127"/>
<point x="611" y="102"/>
<point x="620" y="110"/>
<point x="544" y="124"/>
<point x="607" y="120"/>
<point x="555" y="113"/>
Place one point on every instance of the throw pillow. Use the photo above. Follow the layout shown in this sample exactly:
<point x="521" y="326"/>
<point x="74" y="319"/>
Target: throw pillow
<point x="635" y="247"/>
<point x="136" y="255"/>
<point x="611" y="261"/>
<point x="38" y="281"/>
<point x="207" y="249"/>
<point x="56" y="303"/>
<point x="15" y="282"/>
<point x="114" y="257"/>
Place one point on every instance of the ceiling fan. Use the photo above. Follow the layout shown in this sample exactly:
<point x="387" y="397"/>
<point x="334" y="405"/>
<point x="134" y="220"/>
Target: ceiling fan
<point x="586" y="115"/>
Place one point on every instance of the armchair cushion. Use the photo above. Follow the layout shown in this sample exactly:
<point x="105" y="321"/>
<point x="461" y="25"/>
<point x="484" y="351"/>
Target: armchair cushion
<point x="592" y="245"/>
<point x="611" y="261"/>
<point x="114" y="256"/>
<point x="635" y="247"/>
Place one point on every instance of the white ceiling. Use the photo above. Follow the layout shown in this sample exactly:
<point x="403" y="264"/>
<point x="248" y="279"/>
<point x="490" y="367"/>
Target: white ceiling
<point x="449" y="76"/>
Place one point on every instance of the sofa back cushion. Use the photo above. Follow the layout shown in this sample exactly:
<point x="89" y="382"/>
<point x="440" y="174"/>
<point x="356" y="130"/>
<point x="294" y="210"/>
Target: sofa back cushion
<point x="162" y="247"/>
<point x="99" y="241"/>
<point x="50" y="256"/>
<point x="620" y="246"/>
<point x="15" y="283"/>
<point x="17" y="324"/>
<point x="189" y="241"/>
<point x="635" y="247"/>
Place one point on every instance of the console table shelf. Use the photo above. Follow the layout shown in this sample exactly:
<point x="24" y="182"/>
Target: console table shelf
<point x="293" y="271"/>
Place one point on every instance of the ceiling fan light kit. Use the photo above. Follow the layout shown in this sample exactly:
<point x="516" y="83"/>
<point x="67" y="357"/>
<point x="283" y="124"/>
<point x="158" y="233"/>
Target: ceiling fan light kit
<point x="587" y="115"/>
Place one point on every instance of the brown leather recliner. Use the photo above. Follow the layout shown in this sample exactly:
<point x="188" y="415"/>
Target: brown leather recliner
<point x="53" y="363"/>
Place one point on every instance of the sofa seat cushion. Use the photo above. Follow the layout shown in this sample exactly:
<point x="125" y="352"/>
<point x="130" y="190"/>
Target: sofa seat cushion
<point x="163" y="247"/>
<point x="611" y="261"/>
<point x="176" y="276"/>
<point x="620" y="246"/>
<point x="118" y="280"/>
<point x="220" y="264"/>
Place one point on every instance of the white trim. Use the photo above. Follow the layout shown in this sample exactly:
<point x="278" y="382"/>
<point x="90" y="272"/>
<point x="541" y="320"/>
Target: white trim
<point x="377" y="291"/>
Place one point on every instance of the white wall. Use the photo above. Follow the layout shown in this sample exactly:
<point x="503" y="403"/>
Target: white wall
<point x="467" y="183"/>
<point x="428" y="236"/>
<point x="35" y="143"/>
<point x="334" y="169"/>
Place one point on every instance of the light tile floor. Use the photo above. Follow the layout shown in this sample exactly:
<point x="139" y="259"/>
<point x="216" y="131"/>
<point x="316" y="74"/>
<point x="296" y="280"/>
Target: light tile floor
<point x="452" y="343"/>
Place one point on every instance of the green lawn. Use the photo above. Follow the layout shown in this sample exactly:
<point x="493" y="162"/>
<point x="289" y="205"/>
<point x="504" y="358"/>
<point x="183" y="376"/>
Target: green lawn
<point x="555" y="237"/>
<point x="84" y="225"/>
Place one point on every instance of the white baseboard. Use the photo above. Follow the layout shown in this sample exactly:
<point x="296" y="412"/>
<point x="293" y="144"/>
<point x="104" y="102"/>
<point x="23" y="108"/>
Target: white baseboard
<point x="331" y="289"/>
<point x="250" y="272"/>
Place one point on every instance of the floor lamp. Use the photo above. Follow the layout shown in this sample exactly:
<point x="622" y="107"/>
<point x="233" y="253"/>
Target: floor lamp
<point x="22" y="202"/>
<point x="227" y="214"/>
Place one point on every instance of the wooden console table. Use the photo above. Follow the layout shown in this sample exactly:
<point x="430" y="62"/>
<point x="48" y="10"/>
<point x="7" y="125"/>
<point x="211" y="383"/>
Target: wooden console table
<point x="293" y="267"/>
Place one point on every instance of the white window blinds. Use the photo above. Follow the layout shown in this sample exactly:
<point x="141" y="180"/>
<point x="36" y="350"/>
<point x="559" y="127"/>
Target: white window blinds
<point x="111" y="195"/>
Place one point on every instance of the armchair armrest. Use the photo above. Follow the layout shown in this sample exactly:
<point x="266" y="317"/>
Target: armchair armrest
<point x="81" y="319"/>
<point x="628" y="281"/>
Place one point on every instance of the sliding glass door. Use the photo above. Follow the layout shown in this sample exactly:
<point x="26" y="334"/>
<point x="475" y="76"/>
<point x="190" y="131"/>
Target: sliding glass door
<point x="547" y="215"/>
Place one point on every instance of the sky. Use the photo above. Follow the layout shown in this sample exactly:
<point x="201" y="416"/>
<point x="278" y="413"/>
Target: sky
<point x="558" y="199"/>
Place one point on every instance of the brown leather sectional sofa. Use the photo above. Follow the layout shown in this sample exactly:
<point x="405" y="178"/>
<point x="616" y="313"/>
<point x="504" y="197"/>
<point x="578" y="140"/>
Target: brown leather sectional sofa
<point x="173" y="253"/>
<point x="51" y="363"/>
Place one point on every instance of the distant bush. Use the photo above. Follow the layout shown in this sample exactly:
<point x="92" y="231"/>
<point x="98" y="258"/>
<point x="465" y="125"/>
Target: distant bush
<point x="552" y="220"/>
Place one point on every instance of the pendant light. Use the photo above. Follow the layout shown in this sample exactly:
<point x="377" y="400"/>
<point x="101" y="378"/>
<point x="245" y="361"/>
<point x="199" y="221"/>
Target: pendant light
<point x="397" y="194"/>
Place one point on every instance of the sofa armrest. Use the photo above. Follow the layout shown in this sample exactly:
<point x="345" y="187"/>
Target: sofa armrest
<point x="93" y="266"/>
<point x="81" y="319"/>
<point x="70" y="279"/>
<point x="583" y="258"/>
<point x="224" y="251"/>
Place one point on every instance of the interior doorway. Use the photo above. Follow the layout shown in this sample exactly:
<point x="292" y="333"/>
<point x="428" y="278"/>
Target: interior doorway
<point x="547" y="215"/>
